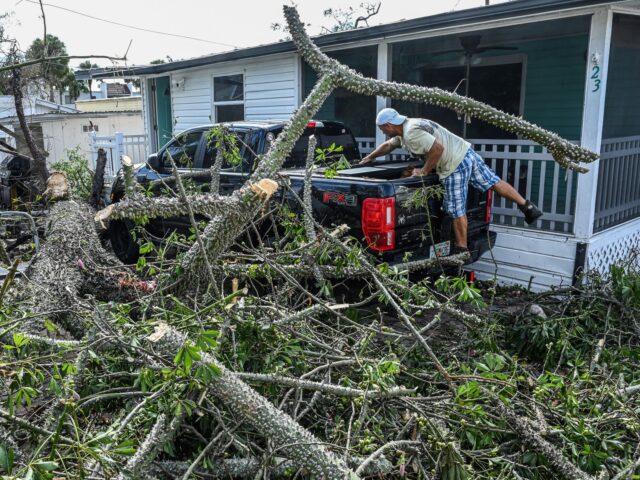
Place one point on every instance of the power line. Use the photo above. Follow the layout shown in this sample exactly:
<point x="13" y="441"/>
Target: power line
<point x="131" y="26"/>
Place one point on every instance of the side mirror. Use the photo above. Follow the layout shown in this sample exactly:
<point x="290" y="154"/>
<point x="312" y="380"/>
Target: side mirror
<point x="154" y="162"/>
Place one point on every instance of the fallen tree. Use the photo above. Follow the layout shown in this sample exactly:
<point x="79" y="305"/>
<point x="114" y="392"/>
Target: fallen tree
<point x="241" y="362"/>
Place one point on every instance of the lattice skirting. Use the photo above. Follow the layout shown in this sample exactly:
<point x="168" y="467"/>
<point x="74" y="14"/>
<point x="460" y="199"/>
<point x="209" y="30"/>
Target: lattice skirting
<point x="613" y="246"/>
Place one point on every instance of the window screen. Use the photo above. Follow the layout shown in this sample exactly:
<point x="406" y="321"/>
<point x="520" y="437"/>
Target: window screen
<point x="228" y="88"/>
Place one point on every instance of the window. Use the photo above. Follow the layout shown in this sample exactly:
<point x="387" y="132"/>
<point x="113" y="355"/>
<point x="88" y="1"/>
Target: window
<point x="228" y="98"/>
<point x="183" y="150"/>
<point x="247" y="143"/>
<point x="89" y="128"/>
<point x="353" y="109"/>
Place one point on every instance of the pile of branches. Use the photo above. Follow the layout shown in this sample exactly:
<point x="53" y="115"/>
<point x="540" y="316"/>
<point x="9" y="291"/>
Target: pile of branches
<point x="302" y="356"/>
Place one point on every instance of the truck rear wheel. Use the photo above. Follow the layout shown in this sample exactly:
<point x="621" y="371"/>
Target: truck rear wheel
<point x="121" y="237"/>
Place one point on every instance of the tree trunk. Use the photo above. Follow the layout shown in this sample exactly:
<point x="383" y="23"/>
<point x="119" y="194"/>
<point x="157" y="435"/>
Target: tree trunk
<point x="39" y="170"/>
<point x="95" y="199"/>
<point x="70" y="265"/>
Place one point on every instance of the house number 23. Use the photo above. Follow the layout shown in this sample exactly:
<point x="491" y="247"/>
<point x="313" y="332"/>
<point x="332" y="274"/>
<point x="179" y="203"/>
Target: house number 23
<point x="595" y="76"/>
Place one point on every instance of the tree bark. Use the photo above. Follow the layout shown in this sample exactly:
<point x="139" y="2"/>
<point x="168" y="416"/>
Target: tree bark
<point x="70" y="265"/>
<point x="39" y="170"/>
<point x="297" y="443"/>
<point x="95" y="200"/>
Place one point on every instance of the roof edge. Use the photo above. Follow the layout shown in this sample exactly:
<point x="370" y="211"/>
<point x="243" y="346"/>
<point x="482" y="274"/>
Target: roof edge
<point x="483" y="14"/>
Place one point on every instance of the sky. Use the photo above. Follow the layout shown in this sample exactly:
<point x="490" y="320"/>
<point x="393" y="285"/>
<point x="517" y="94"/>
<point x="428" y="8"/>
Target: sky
<point x="214" y="26"/>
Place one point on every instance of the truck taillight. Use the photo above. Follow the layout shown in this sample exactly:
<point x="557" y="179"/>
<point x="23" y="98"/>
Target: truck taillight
<point x="487" y="215"/>
<point x="379" y="223"/>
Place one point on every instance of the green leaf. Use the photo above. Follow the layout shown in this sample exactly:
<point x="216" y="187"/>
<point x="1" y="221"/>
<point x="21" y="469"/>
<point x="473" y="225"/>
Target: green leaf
<point x="208" y="338"/>
<point x="6" y="459"/>
<point x="19" y="340"/>
<point x="125" y="448"/>
<point x="146" y="248"/>
<point x="45" y="466"/>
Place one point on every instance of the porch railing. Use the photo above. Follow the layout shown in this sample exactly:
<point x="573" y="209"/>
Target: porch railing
<point x="134" y="146"/>
<point x="530" y="168"/>
<point x="618" y="195"/>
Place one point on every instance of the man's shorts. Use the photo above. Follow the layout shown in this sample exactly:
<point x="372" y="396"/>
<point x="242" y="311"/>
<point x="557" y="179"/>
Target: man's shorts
<point x="472" y="170"/>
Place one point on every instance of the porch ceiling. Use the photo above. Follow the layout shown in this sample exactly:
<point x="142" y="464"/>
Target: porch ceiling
<point x="503" y="36"/>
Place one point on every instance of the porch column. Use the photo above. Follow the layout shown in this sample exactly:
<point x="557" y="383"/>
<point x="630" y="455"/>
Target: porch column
<point x="384" y="72"/>
<point x="592" y="118"/>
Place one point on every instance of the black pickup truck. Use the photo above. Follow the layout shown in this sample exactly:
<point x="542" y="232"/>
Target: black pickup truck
<point x="370" y="198"/>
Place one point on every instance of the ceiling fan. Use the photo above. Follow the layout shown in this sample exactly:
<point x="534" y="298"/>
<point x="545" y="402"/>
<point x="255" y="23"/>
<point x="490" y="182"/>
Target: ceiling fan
<point x="470" y="47"/>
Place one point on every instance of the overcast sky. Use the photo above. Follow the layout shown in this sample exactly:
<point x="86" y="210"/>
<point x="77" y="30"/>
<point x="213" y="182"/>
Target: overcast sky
<point x="215" y="26"/>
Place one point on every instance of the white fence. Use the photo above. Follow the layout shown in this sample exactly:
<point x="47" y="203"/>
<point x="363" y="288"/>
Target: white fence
<point x="618" y="196"/>
<point x="530" y="168"/>
<point x="134" y="146"/>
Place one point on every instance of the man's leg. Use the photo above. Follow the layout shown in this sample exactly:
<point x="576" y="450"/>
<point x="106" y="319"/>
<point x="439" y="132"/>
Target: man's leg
<point x="460" y="231"/>
<point x="505" y="190"/>
<point x="456" y="186"/>
<point x="483" y="178"/>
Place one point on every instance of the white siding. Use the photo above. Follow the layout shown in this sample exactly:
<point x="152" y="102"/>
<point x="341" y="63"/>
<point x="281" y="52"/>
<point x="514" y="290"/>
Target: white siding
<point x="191" y="102"/>
<point x="534" y="259"/>
<point x="66" y="133"/>
<point x="270" y="90"/>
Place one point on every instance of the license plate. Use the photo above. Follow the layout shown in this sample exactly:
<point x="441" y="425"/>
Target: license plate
<point x="440" y="249"/>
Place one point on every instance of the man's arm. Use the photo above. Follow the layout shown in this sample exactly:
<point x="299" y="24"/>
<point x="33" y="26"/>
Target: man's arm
<point x="385" y="148"/>
<point x="431" y="159"/>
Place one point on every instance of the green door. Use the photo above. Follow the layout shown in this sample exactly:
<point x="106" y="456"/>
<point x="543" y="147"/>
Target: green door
<point x="163" y="110"/>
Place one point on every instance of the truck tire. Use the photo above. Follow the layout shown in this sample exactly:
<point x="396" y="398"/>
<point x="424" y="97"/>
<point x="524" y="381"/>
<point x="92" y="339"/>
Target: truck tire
<point x="121" y="238"/>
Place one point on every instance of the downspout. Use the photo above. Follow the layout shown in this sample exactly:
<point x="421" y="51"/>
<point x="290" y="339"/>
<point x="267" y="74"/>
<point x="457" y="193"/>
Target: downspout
<point x="580" y="263"/>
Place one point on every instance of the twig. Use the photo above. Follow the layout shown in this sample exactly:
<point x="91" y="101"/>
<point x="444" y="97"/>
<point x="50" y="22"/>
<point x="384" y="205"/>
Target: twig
<point x="325" y="388"/>
<point x="194" y="225"/>
<point x="9" y="278"/>
<point x="384" y="448"/>
<point x="532" y="438"/>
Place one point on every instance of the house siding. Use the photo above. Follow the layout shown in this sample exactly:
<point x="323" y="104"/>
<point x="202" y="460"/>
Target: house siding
<point x="269" y="91"/>
<point x="191" y="103"/>
<point x="538" y="262"/>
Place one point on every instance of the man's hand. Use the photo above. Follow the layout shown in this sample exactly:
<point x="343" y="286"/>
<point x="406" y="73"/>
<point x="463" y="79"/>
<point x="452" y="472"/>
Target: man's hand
<point x="418" y="172"/>
<point x="365" y="160"/>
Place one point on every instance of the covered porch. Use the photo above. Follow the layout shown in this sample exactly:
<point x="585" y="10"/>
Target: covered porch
<point x="574" y="73"/>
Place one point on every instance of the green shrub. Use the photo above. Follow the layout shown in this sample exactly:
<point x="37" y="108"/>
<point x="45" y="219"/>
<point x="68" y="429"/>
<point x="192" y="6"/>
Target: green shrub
<point x="76" y="166"/>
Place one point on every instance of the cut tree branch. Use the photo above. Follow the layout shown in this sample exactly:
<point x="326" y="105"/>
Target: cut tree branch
<point x="564" y="152"/>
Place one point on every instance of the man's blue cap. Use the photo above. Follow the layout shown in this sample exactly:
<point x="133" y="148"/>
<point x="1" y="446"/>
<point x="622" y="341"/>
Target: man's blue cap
<point x="389" y="115"/>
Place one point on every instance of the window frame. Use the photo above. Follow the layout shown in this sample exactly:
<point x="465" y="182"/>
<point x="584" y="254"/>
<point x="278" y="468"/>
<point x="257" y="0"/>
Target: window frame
<point x="215" y="104"/>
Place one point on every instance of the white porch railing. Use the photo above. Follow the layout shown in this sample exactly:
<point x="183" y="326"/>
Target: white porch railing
<point x="530" y="168"/>
<point x="134" y="146"/>
<point x="618" y="195"/>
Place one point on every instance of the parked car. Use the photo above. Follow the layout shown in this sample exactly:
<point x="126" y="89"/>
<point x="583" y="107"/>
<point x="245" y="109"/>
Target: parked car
<point x="14" y="169"/>
<point x="369" y="199"/>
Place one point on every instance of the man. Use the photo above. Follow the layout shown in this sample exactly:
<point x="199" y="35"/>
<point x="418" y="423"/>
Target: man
<point x="456" y="163"/>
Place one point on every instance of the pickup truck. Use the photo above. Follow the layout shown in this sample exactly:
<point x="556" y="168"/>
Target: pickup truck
<point x="370" y="199"/>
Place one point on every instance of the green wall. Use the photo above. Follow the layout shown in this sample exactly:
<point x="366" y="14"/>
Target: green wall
<point x="554" y="99"/>
<point x="555" y="82"/>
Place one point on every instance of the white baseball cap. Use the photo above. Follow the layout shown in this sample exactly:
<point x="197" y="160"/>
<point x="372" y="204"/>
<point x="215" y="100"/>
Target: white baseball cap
<point x="389" y="115"/>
